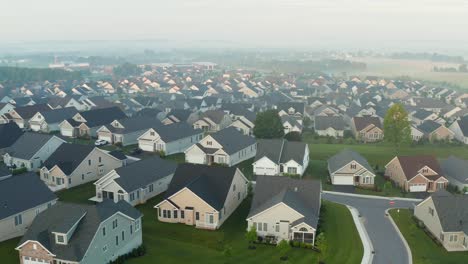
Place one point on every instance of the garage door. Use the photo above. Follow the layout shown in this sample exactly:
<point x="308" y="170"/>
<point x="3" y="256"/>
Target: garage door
<point x="343" y="180"/>
<point x="29" y="260"/>
<point x="418" y="187"/>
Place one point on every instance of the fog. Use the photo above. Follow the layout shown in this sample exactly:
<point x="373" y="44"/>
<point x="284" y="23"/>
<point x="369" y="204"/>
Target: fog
<point x="430" y="25"/>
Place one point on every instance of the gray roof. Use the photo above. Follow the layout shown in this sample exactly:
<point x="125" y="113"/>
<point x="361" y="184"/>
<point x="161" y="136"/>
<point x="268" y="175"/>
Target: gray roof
<point x="12" y="203"/>
<point x="28" y="144"/>
<point x="452" y="211"/>
<point x="9" y="133"/>
<point x="422" y="114"/>
<point x="455" y="168"/>
<point x="463" y="124"/>
<point x="133" y="124"/>
<point x="292" y="120"/>
<point x="176" y="131"/>
<point x="429" y="126"/>
<point x="346" y="156"/>
<point x="232" y="140"/>
<point x="68" y="156"/>
<point x="212" y="184"/>
<point x="143" y="172"/>
<point x="101" y="116"/>
<point x="27" y="112"/>
<point x="301" y="195"/>
<point x="54" y="218"/>
<point x="58" y="115"/>
<point x="325" y="122"/>
<point x="280" y="150"/>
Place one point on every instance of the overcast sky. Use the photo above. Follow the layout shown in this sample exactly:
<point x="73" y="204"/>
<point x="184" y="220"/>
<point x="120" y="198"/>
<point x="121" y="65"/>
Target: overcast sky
<point x="339" y="23"/>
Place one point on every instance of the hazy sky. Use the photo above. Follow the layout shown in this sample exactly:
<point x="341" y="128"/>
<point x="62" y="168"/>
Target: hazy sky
<point x="340" y="23"/>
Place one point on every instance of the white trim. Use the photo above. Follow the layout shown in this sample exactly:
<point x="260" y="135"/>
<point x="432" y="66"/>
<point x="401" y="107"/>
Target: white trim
<point x="271" y="207"/>
<point x="34" y="241"/>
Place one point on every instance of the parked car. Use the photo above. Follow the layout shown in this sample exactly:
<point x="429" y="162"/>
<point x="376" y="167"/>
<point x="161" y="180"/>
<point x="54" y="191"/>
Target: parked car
<point x="100" y="142"/>
<point x="136" y="151"/>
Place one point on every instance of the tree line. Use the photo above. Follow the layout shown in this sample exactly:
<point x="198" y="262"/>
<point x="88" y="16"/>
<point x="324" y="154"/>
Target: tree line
<point x="37" y="74"/>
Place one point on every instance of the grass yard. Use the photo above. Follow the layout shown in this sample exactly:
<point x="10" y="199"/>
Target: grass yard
<point x="423" y="249"/>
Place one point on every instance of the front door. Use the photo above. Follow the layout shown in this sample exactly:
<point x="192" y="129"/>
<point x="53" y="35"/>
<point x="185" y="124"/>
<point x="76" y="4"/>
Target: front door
<point x="189" y="217"/>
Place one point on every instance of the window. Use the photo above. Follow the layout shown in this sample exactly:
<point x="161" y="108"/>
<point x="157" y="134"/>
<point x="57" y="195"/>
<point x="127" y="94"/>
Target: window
<point x="238" y="196"/>
<point x="197" y="216"/>
<point x="69" y="180"/>
<point x="182" y="214"/>
<point x="209" y="143"/>
<point x="265" y="227"/>
<point x="137" y="225"/>
<point x="123" y="235"/>
<point x="277" y="228"/>
<point x="353" y="166"/>
<point x="104" y="231"/>
<point x="104" y="248"/>
<point x="82" y="177"/>
<point x="164" y="214"/>
<point x="234" y="188"/>
<point x="292" y="170"/>
<point x="89" y="162"/>
<point x="175" y="214"/>
<point x="453" y="238"/>
<point x="100" y="159"/>
<point x="60" y="239"/>
<point x="131" y="229"/>
<point x="115" y="224"/>
<point x="221" y="159"/>
<point x="431" y="211"/>
<point x="303" y="229"/>
<point x="211" y="219"/>
<point x="34" y="246"/>
<point x="259" y="227"/>
<point x="116" y="240"/>
<point x="168" y="213"/>
<point x="151" y="188"/>
<point x="132" y="196"/>
<point x="441" y="237"/>
<point x="425" y="170"/>
<point x="18" y="220"/>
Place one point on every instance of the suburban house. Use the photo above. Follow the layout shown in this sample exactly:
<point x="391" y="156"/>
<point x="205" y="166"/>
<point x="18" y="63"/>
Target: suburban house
<point x="88" y="122"/>
<point x="296" y="109"/>
<point x="460" y="129"/>
<point x="416" y="173"/>
<point x="65" y="102"/>
<point x="137" y="182"/>
<point x="18" y="211"/>
<point x="416" y="134"/>
<point x="6" y="108"/>
<point x="285" y="209"/>
<point x="228" y="146"/>
<point x="367" y="128"/>
<point x="445" y="215"/>
<point x="279" y="156"/>
<point x="176" y="116"/>
<point x="31" y="150"/>
<point x="202" y="196"/>
<point x="291" y="124"/>
<point x="49" y="121"/>
<point x="455" y="171"/>
<point x="170" y="139"/>
<point x="350" y="168"/>
<point x="329" y="126"/>
<point x="80" y="233"/>
<point x="75" y="164"/>
<point x="422" y="115"/>
<point x="435" y="131"/>
<point x="21" y="115"/>
<point x="9" y="133"/>
<point x="127" y="131"/>
<point x="213" y="121"/>
<point x="244" y="121"/>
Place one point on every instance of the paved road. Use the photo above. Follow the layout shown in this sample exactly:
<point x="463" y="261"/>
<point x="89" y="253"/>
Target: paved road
<point x="388" y="247"/>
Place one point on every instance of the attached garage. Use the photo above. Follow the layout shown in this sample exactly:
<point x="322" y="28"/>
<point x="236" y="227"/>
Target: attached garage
<point x="146" y="145"/>
<point x="343" y="180"/>
<point x="417" y="187"/>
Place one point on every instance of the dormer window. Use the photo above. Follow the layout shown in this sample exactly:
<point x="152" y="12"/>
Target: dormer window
<point x="60" y="239"/>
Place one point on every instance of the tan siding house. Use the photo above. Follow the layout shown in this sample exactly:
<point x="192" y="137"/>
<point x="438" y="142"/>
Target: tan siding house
<point x="367" y="129"/>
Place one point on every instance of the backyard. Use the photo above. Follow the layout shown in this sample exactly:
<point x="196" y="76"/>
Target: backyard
<point x="423" y="248"/>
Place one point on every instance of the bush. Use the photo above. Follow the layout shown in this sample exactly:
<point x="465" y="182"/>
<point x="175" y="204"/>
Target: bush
<point x="19" y="171"/>
<point x="118" y="144"/>
<point x="135" y="253"/>
<point x="293" y="136"/>
<point x="296" y="244"/>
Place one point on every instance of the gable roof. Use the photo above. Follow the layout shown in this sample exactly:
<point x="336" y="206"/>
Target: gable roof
<point x="214" y="115"/>
<point x="280" y="150"/>
<point x="12" y="203"/>
<point x="176" y="131"/>
<point x="9" y="133"/>
<point x="143" y="172"/>
<point x="452" y="211"/>
<point x="429" y="126"/>
<point x="101" y="116"/>
<point x="212" y="184"/>
<point x="302" y="196"/>
<point x="412" y="164"/>
<point x="232" y="140"/>
<point x="27" y="112"/>
<point x="68" y="157"/>
<point x="422" y="114"/>
<point x="28" y="144"/>
<point x="54" y="217"/>
<point x="58" y="115"/>
<point x="455" y="168"/>
<point x="361" y="122"/>
<point x="325" y="122"/>
<point x="463" y="124"/>
<point x="346" y="156"/>
<point x="132" y="124"/>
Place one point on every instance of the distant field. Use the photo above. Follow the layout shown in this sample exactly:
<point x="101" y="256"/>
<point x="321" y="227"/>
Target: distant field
<point x="418" y="69"/>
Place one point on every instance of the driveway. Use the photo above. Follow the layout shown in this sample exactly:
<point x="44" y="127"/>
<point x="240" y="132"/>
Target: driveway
<point x="388" y="247"/>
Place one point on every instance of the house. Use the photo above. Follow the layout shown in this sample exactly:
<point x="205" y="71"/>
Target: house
<point x="21" y="115"/>
<point x="435" y="131"/>
<point x="460" y="129"/>
<point x="455" y="171"/>
<point x="18" y="211"/>
<point x="329" y="126"/>
<point x="279" y="156"/>
<point x="75" y="164"/>
<point x="350" y="168"/>
<point x="213" y="121"/>
<point x="285" y="209"/>
<point x="30" y="150"/>
<point x="170" y="139"/>
<point x="9" y="133"/>
<point x="367" y="128"/>
<point x="422" y="115"/>
<point x="88" y="122"/>
<point x="228" y="146"/>
<point x="416" y="173"/>
<point x="291" y="124"/>
<point x="127" y="131"/>
<point x="48" y="121"/>
<point x="137" y="182"/>
<point x="445" y="216"/>
<point x="65" y="102"/>
<point x="202" y="196"/>
<point x="296" y="109"/>
<point x="6" y="108"/>
<point x="81" y="233"/>
<point x="176" y="116"/>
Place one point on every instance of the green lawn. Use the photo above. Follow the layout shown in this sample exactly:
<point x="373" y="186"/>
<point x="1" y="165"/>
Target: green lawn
<point x="8" y="254"/>
<point x="423" y="249"/>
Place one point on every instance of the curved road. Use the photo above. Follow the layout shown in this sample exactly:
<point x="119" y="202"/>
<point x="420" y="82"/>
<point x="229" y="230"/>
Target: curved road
<point x="388" y="246"/>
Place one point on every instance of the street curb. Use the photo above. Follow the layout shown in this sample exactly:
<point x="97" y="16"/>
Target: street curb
<point x="374" y="196"/>
<point x="408" y="250"/>
<point x="368" y="256"/>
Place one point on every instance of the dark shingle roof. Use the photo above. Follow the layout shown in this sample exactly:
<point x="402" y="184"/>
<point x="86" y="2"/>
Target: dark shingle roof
<point x="325" y="122"/>
<point x="232" y="140"/>
<point x="27" y="112"/>
<point x="412" y="164"/>
<point x="422" y="114"/>
<point x="280" y="150"/>
<point x="346" y="156"/>
<point x="175" y="131"/>
<point x="102" y="116"/>
<point x="58" y="115"/>
<point x="452" y="211"/>
<point x="143" y="172"/>
<point x="362" y="122"/>
<point x="68" y="156"/>
<point x="28" y="144"/>
<point x="301" y="195"/>
<point x="54" y="217"/>
<point x="133" y="124"/>
<point x="455" y="168"/>
<point x="9" y="133"/>
<point x="210" y="183"/>
<point x="463" y="124"/>
<point x="29" y="183"/>
<point x="429" y="126"/>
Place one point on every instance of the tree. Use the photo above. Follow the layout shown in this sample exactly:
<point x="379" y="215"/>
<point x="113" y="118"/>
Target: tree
<point x="268" y="125"/>
<point x="251" y="235"/>
<point x="126" y="70"/>
<point x="284" y="249"/>
<point x="293" y="136"/>
<point x="397" y="126"/>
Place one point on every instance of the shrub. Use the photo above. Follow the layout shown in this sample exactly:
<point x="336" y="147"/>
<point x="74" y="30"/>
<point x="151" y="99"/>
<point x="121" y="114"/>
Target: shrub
<point x="135" y="253"/>
<point x="296" y="244"/>
<point x="19" y="171"/>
